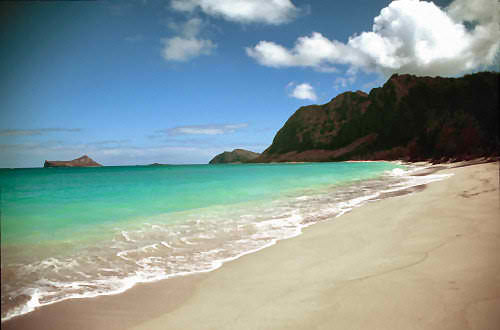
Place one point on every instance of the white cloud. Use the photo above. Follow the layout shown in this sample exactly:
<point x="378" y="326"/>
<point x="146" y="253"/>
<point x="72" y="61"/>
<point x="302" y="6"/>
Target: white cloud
<point x="183" y="49"/>
<point x="205" y="129"/>
<point x="303" y="92"/>
<point x="186" y="45"/>
<point x="409" y="36"/>
<point x="270" y="54"/>
<point x="484" y="11"/>
<point x="244" y="11"/>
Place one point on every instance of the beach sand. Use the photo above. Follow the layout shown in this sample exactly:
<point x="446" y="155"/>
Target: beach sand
<point x="428" y="260"/>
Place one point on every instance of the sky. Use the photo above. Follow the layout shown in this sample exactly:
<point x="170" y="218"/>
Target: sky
<point x="179" y="81"/>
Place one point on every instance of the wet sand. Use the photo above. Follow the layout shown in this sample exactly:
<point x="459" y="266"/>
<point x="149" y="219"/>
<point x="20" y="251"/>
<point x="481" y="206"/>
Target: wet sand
<point x="428" y="260"/>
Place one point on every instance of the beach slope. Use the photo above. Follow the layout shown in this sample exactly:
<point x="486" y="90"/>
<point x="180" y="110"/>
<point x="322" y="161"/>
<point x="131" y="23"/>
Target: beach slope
<point x="423" y="261"/>
<point x="428" y="260"/>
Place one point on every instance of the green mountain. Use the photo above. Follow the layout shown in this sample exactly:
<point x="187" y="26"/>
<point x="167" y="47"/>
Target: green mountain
<point x="409" y="117"/>
<point x="235" y="156"/>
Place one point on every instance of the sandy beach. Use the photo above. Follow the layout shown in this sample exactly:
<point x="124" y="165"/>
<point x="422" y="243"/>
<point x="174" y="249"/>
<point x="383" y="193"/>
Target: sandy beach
<point x="427" y="260"/>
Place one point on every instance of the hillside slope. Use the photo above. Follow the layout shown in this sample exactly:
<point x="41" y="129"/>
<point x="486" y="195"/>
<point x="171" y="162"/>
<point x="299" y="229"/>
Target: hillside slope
<point x="409" y="117"/>
<point x="235" y="156"/>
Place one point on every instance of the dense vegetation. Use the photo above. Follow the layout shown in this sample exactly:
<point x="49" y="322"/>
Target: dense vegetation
<point x="235" y="156"/>
<point x="412" y="117"/>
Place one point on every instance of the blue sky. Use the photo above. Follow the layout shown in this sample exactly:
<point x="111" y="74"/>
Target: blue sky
<point x="137" y="82"/>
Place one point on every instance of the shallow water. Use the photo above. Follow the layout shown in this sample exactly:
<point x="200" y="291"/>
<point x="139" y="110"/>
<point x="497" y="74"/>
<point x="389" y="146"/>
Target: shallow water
<point x="83" y="232"/>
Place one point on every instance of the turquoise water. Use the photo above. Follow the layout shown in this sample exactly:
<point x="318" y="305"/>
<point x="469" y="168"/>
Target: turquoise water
<point x="39" y="203"/>
<point x="82" y="232"/>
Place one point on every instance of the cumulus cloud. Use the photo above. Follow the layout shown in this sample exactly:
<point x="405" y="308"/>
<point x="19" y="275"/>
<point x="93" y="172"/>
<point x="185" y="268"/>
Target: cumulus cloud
<point x="474" y="10"/>
<point x="32" y="132"/>
<point x="205" y="129"/>
<point x="187" y="45"/>
<point x="303" y="92"/>
<point x="408" y="36"/>
<point x="182" y="49"/>
<point x="244" y="11"/>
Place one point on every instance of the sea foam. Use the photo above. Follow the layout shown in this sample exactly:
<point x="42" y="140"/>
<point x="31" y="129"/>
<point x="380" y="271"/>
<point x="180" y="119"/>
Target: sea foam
<point x="162" y="246"/>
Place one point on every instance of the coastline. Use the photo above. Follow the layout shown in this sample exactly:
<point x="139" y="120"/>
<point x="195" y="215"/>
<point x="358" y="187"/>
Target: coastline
<point x="163" y="250"/>
<point x="384" y="273"/>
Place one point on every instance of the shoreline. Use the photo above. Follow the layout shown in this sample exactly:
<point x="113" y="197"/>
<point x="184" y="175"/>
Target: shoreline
<point x="31" y="300"/>
<point x="156" y="298"/>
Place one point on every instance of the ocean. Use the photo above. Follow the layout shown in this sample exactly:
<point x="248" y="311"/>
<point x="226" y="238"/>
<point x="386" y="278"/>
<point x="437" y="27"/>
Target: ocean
<point x="84" y="232"/>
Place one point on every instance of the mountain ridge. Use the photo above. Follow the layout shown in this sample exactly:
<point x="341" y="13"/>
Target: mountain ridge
<point x="235" y="156"/>
<point x="411" y="118"/>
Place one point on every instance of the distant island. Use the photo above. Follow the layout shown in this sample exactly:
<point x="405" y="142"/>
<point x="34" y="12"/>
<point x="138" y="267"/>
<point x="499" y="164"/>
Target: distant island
<point x="234" y="157"/>
<point x="83" y="161"/>
<point x="409" y="117"/>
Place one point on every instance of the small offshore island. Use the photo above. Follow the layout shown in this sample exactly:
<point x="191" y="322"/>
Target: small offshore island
<point x="234" y="157"/>
<point x="83" y="161"/>
<point x="424" y="119"/>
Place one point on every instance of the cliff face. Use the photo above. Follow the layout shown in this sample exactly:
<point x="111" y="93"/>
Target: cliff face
<point x="84" y="161"/>
<point x="409" y="117"/>
<point x="235" y="156"/>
